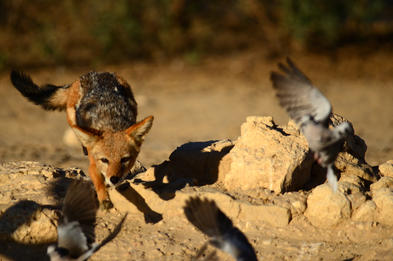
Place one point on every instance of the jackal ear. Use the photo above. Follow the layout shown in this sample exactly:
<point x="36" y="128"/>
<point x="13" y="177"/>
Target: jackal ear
<point x="140" y="129"/>
<point x="87" y="138"/>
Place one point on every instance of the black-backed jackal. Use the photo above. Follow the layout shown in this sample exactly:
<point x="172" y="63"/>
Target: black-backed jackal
<point x="102" y="111"/>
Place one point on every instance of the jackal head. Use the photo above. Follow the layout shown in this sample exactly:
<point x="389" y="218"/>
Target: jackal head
<point x="115" y="153"/>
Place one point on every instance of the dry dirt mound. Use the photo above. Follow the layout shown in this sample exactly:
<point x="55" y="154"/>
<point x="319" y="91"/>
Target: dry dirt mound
<point x="266" y="181"/>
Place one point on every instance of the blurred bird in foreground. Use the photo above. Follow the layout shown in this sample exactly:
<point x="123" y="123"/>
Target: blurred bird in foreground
<point x="310" y="110"/>
<point x="76" y="225"/>
<point x="210" y="220"/>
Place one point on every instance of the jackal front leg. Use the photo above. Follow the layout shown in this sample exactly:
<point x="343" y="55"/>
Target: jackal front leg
<point x="99" y="184"/>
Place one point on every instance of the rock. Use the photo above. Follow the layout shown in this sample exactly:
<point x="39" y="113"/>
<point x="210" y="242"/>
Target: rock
<point x="24" y="213"/>
<point x="136" y="199"/>
<point x="383" y="199"/>
<point x="268" y="156"/>
<point x="384" y="182"/>
<point x="326" y="208"/>
<point x="29" y="180"/>
<point x="351" y="184"/>
<point x="353" y="187"/>
<point x="348" y="165"/>
<point x="298" y="207"/>
<point x="270" y="214"/>
<point x="296" y="202"/>
<point x="365" y="212"/>
<point x="386" y="169"/>
<point x="356" y="198"/>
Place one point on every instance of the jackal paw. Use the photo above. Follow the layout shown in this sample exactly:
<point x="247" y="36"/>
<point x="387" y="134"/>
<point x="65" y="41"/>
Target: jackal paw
<point x="106" y="204"/>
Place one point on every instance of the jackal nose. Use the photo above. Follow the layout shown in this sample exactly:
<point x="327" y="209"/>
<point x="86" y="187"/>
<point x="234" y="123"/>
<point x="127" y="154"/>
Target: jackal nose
<point x="114" y="180"/>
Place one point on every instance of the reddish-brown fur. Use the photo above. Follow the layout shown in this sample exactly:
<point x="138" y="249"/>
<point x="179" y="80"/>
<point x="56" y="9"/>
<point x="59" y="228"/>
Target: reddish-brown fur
<point x="111" y="151"/>
<point x="110" y="144"/>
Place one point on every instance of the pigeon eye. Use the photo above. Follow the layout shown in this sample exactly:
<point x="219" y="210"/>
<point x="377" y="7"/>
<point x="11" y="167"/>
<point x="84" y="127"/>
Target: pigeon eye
<point x="125" y="159"/>
<point x="104" y="160"/>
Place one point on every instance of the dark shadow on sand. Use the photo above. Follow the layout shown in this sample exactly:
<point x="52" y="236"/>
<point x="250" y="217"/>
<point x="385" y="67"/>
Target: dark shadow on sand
<point x="22" y="212"/>
<point x="135" y="198"/>
<point x="193" y="163"/>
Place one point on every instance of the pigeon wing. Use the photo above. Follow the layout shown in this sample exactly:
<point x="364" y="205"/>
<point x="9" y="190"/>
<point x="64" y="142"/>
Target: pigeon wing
<point x="205" y="216"/>
<point x="210" y="220"/>
<point x="79" y="215"/>
<point x="298" y="96"/>
<point x="108" y="238"/>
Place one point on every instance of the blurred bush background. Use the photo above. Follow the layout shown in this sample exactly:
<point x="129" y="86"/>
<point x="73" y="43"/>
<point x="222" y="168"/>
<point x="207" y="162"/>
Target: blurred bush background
<point x="69" y="32"/>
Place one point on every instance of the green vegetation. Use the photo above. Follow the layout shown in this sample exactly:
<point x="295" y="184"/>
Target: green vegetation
<point x="47" y="32"/>
<point x="327" y="22"/>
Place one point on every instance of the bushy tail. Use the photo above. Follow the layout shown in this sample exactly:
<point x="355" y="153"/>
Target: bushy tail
<point x="50" y="97"/>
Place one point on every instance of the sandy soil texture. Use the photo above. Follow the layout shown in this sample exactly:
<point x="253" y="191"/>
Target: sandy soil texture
<point x="209" y="102"/>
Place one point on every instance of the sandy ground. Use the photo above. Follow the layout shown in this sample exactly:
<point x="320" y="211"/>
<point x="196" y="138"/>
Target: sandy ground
<point x="209" y="101"/>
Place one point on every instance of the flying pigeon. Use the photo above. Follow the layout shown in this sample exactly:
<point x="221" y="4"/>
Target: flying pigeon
<point x="76" y="225"/>
<point x="210" y="220"/>
<point x="310" y="109"/>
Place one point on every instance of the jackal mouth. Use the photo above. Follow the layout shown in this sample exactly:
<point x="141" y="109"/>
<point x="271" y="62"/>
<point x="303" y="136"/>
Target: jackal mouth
<point x="109" y="184"/>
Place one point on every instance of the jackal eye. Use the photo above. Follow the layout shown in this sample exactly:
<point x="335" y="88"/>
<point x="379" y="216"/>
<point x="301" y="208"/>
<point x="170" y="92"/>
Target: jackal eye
<point x="125" y="159"/>
<point x="104" y="160"/>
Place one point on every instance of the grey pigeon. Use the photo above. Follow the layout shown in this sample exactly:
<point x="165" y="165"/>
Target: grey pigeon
<point x="310" y="109"/>
<point x="210" y="220"/>
<point x="76" y="225"/>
